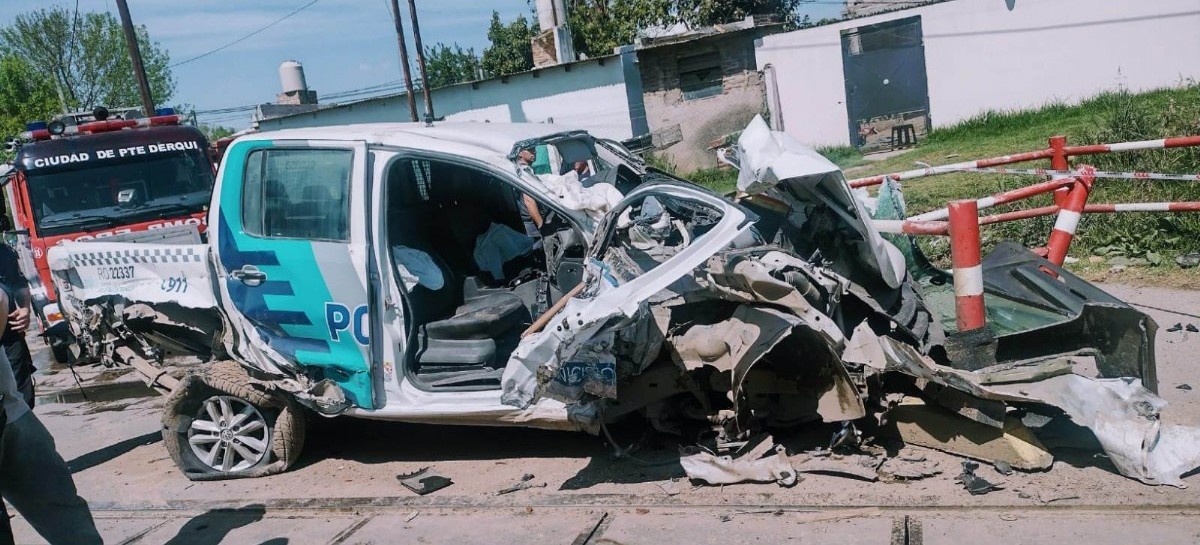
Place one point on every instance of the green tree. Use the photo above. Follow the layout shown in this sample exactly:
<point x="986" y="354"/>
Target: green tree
<point x="24" y="96"/>
<point x="85" y="58"/>
<point x="446" y="66"/>
<point x="701" y="13"/>
<point x="510" y="50"/>
<point x="215" y="132"/>
<point x="599" y="26"/>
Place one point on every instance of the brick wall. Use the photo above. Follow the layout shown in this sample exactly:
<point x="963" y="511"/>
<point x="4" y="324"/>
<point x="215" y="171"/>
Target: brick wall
<point x="700" y="120"/>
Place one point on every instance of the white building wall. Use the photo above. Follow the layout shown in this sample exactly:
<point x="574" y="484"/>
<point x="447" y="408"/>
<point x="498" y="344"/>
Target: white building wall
<point x="588" y="95"/>
<point x="980" y="55"/>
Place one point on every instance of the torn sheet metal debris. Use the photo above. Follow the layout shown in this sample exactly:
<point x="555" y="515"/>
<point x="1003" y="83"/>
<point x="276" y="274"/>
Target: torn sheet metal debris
<point x="424" y="481"/>
<point x="901" y="469"/>
<point x="973" y="483"/>
<point x="859" y="466"/>
<point x="525" y="483"/>
<point x="1124" y="416"/>
<point x="765" y="462"/>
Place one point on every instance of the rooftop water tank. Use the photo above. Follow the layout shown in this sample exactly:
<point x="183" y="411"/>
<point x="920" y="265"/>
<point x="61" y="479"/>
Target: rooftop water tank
<point x="291" y="76"/>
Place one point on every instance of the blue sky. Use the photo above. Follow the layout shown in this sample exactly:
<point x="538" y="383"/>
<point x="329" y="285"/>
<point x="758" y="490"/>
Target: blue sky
<point x="343" y="44"/>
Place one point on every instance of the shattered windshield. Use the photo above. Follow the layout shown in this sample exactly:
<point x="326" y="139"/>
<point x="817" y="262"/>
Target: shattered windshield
<point x="654" y="228"/>
<point x="113" y="193"/>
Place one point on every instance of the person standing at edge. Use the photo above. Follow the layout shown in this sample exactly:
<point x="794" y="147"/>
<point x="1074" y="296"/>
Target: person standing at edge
<point x="33" y="476"/>
<point x="13" y="340"/>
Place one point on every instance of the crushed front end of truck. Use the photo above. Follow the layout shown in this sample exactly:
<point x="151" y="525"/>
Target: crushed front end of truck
<point x="815" y="318"/>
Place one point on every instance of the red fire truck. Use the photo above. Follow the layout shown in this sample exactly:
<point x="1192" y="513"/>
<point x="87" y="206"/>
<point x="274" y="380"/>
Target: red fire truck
<point x="101" y="174"/>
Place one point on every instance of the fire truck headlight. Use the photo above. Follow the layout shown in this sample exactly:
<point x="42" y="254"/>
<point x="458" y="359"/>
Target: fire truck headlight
<point x="100" y="113"/>
<point x="56" y="127"/>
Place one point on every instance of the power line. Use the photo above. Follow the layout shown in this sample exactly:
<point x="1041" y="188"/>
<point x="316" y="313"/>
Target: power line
<point x="269" y="25"/>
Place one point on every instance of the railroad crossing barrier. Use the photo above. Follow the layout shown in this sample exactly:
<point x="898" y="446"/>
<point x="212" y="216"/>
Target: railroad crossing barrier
<point x="960" y="220"/>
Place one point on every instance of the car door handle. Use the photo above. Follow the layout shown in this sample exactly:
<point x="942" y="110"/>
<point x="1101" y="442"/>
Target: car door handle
<point x="249" y="275"/>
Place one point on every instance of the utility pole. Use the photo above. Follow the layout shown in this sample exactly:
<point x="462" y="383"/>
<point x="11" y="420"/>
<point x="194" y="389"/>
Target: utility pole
<point x="412" y="10"/>
<point x="408" y="86"/>
<point x="135" y="56"/>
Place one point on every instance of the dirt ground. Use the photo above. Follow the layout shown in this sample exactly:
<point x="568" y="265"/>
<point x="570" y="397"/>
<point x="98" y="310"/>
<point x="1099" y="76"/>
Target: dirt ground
<point x="344" y="489"/>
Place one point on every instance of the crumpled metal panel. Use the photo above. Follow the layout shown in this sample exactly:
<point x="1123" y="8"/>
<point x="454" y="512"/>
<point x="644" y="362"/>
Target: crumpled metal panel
<point x="1121" y="337"/>
<point x="762" y="463"/>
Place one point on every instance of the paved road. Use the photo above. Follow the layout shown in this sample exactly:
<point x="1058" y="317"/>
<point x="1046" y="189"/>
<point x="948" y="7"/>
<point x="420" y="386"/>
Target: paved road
<point x="344" y="488"/>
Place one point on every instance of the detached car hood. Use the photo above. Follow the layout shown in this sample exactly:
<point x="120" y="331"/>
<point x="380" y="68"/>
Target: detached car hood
<point x="773" y="160"/>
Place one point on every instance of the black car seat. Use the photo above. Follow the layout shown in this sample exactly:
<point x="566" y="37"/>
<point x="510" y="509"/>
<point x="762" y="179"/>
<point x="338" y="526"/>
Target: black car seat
<point x="464" y="346"/>
<point x="460" y="343"/>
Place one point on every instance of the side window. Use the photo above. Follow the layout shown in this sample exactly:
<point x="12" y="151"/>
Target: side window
<point x="297" y="193"/>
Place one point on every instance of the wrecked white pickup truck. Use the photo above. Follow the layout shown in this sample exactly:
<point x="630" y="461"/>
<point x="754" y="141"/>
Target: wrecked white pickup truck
<point x="387" y="272"/>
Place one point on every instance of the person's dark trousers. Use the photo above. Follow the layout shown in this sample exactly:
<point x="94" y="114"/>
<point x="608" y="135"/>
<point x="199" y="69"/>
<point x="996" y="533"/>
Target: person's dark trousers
<point x="21" y="359"/>
<point x="6" y="536"/>
<point x="36" y="481"/>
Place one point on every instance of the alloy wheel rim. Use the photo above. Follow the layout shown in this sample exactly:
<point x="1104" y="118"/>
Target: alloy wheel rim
<point x="229" y="434"/>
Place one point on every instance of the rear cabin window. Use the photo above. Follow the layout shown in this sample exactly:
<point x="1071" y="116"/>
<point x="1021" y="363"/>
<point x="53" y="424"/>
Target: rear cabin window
<point x="298" y="193"/>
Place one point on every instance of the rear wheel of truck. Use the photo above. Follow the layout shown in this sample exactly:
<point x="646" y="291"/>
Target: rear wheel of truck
<point x="220" y="423"/>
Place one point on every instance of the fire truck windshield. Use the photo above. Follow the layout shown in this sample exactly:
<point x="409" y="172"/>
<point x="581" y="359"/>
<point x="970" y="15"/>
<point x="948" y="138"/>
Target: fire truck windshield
<point x="94" y="195"/>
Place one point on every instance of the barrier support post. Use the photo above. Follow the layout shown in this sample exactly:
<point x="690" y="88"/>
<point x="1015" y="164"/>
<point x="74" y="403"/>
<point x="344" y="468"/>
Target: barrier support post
<point x="1058" y="161"/>
<point x="1068" y="220"/>
<point x="965" y="254"/>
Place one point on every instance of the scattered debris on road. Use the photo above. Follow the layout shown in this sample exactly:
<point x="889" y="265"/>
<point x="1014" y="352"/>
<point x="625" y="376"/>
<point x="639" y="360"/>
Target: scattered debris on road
<point x="1014" y="444"/>
<point x="1052" y="499"/>
<point x="973" y="483"/>
<point x="761" y="462"/>
<point x="858" y="466"/>
<point x="526" y="482"/>
<point x="424" y="481"/>
<point x="1003" y="468"/>
<point x="670" y="487"/>
<point x="1184" y="386"/>
<point x="901" y="469"/>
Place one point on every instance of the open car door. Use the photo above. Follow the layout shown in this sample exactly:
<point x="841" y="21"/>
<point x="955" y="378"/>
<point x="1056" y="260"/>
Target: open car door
<point x="657" y="236"/>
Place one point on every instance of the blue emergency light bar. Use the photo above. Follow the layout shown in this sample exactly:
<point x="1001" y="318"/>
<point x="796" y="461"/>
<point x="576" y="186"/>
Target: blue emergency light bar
<point x="35" y="125"/>
<point x="164" y="111"/>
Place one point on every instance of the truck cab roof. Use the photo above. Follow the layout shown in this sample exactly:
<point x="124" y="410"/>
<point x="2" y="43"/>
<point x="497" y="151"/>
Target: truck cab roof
<point x="27" y="157"/>
<point x="491" y="142"/>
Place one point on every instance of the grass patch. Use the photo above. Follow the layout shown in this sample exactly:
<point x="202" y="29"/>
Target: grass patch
<point x="843" y="156"/>
<point x="1105" y="118"/>
<point x="720" y="180"/>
